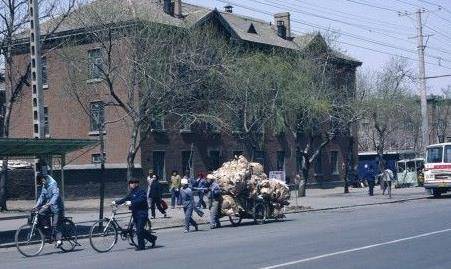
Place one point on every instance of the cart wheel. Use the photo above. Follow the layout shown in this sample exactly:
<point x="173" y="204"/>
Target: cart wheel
<point x="260" y="213"/>
<point x="235" y="220"/>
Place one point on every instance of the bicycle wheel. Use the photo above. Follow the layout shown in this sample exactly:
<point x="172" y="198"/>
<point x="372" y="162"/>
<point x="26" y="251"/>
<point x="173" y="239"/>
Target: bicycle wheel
<point x="134" y="238"/>
<point x="103" y="235"/>
<point x="29" y="243"/>
<point x="69" y="235"/>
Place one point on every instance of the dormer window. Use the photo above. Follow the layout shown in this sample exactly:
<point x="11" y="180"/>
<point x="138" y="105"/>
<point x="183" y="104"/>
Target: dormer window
<point x="251" y="29"/>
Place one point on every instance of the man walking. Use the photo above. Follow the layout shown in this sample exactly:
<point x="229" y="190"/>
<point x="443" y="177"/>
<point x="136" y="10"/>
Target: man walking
<point x="214" y="202"/>
<point x="387" y="177"/>
<point x="155" y="196"/>
<point x="188" y="205"/>
<point x="137" y="201"/>
<point x="175" y="188"/>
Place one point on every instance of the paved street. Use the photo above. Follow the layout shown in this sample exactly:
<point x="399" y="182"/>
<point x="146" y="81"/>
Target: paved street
<point x="413" y="234"/>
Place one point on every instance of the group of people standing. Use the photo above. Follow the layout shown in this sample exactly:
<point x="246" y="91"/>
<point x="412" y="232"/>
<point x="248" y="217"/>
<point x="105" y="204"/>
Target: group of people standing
<point x="182" y="190"/>
<point x="385" y="179"/>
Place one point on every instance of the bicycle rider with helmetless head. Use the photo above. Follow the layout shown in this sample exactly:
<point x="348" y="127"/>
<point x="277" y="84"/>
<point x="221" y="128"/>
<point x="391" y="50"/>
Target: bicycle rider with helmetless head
<point x="136" y="199"/>
<point x="50" y="202"/>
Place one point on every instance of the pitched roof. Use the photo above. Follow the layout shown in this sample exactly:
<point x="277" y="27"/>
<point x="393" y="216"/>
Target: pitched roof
<point x="100" y="12"/>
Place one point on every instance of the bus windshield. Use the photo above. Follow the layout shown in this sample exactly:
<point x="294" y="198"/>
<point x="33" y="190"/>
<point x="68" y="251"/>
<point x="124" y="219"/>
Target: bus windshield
<point x="434" y="155"/>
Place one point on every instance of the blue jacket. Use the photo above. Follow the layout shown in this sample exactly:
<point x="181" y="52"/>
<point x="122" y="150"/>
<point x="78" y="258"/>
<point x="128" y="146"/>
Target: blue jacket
<point x="50" y="194"/>
<point x="138" y="198"/>
<point x="215" y="191"/>
<point x="187" y="197"/>
<point x="202" y="185"/>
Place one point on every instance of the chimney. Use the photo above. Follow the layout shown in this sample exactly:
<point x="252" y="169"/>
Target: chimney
<point x="282" y="22"/>
<point x="178" y="9"/>
<point x="168" y="7"/>
<point x="228" y="8"/>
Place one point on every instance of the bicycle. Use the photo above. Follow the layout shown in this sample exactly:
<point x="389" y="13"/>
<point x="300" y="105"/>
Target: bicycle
<point x="31" y="237"/>
<point x="104" y="233"/>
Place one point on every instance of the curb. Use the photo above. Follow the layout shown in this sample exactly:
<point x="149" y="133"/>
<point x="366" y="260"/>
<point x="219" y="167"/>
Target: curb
<point x="8" y="245"/>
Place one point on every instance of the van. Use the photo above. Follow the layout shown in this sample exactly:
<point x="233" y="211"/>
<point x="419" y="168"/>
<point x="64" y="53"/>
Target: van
<point x="437" y="175"/>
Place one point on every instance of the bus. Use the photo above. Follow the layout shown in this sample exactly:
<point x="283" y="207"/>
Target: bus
<point x="437" y="175"/>
<point x="408" y="171"/>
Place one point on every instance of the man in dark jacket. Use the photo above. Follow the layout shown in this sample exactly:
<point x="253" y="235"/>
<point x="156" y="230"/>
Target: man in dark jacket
<point x="155" y="196"/>
<point x="214" y="202"/>
<point x="137" y="201"/>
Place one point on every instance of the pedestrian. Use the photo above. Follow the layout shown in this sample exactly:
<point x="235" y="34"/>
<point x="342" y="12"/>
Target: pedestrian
<point x="215" y="200"/>
<point x="50" y="203"/>
<point x="370" y="179"/>
<point x="149" y="183"/>
<point x="201" y="183"/>
<point x="137" y="201"/>
<point x="155" y="196"/>
<point x="387" y="178"/>
<point x="175" y="189"/>
<point x="188" y="205"/>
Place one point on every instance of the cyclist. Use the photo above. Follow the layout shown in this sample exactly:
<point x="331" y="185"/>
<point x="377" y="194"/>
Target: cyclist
<point x="136" y="199"/>
<point x="49" y="202"/>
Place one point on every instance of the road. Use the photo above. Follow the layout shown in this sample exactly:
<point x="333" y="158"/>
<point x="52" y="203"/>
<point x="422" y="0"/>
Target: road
<point x="414" y="234"/>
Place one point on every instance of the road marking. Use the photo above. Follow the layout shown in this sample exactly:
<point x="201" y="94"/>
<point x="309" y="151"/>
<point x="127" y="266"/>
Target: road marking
<point x="355" y="249"/>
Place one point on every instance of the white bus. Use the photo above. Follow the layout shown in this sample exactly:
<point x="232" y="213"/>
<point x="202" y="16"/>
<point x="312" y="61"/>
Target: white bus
<point x="408" y="170"/>
<point x="437" y="175"/>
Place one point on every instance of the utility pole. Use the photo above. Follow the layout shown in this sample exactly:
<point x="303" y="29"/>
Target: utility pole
<point x="36" y="81"/>
<point x="422" y="81"/>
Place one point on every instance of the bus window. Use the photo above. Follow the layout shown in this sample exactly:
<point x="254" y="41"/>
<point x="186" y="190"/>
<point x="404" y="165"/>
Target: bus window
<point x="401" y="167"/>
<point x="434" y="155"/>
<point x="447" y="154"/>
<point x="411" y="166"/>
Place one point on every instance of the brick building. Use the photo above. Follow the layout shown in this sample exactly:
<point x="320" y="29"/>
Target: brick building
<point x="167" y="148"/>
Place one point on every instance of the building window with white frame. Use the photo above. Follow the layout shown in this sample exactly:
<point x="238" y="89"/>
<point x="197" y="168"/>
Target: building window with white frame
<point x="44" y="71"/>
<point x="97" y="116"/>
<point x="95" y="59"/>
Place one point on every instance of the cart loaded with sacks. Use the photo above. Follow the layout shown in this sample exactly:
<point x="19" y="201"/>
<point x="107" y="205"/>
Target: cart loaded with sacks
<point x="247" y="192"/>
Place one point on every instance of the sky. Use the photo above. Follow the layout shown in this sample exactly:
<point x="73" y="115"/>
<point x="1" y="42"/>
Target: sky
<point x="372" y="31"/>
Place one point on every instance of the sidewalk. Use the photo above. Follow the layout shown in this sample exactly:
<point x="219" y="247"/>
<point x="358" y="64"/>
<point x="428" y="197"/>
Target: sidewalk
<point x="84" y="212"/>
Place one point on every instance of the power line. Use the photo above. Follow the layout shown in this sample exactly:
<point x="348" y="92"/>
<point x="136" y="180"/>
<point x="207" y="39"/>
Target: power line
<point x="352" y="35"/>
<point x="374" y="6"/>
<point x="320" y="27"/>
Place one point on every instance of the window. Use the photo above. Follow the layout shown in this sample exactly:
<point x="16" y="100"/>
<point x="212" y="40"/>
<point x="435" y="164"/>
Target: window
<point x="411" y="166"/>
<point x="401" y="167"/>
<point x="215" y="159"/>
<point x="96" y="158"/>
<point x="318" y="164"/>
<point x="187" y="161"/>
<point x="97" y="116"/>
<point x="281" y="161"/>
<point x="334" y="162"/>
<point x="46" y="121"/>
<point x="259" y="156"/>
<point x="95" y="63"/>
<point x="44" y="71"/>
<point x="186" y="127"/>
<point x="157" y="123"/>
<point x="159" y="164"/>
<point x="434" y="155"/>
<point x="447" y="154"/>
<point x="238" y="153"/>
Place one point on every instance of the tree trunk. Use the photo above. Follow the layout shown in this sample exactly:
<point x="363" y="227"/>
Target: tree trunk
<point x="305" y="174"/>
<point x="132" y="152"/>
<point x="3" y="181"/>
<point x="349" y="164"/>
